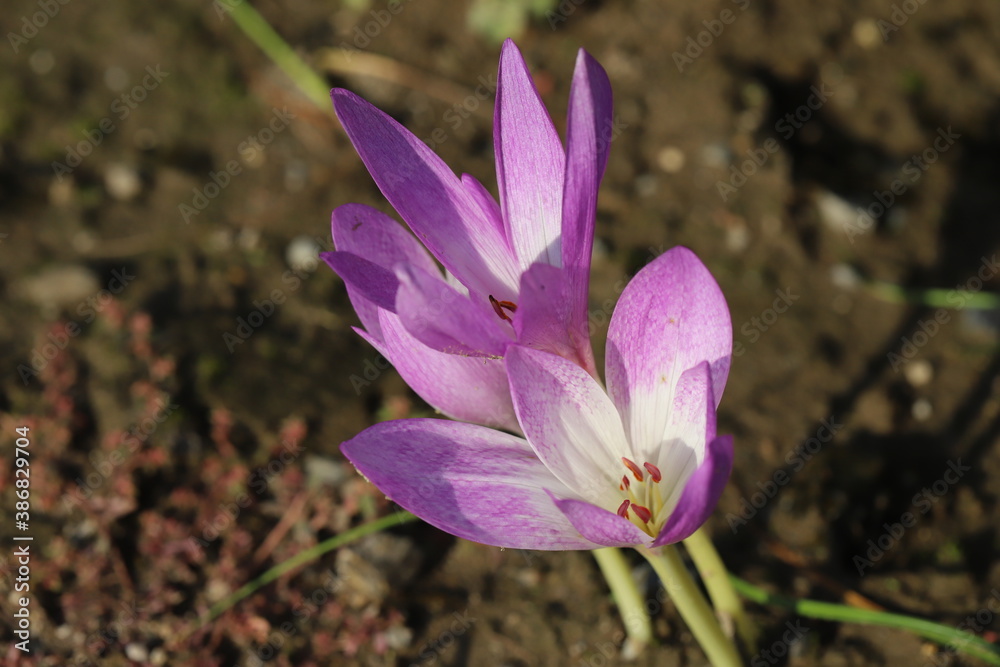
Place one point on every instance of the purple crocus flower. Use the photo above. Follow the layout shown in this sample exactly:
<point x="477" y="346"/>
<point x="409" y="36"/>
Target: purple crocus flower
<point x="517" y="271"/>
<point x="638" y="464"/>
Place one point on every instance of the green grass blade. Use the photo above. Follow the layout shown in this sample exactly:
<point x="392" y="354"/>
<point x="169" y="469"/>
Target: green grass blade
<point x="959" y="640"/>
<point x="263" y="35"/>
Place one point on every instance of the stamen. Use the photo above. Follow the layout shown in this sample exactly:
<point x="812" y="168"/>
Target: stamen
<point x="654" y="472"/>
<point x="623" y="509"/>
<point x="498" y="307"/>
<point x="625" y="483"/>
<point x="636" y="470"/>
<point x="644" y="514"/>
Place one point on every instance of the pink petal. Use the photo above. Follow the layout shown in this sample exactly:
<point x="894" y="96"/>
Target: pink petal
<point x="570" y="422"/>
<point x="544" y="316"/>
<point x="701" y="493"/>
<point x="443" y="318"/>
<point x="430" y="198"/>
<point x="670" y="317"/>
<point x="601" y="526"/>
<point x="530" y="164"/>
<point x="588" y="138"/>
<point x="372" y="236"/>
<point x="470" y="481"/>
<point x="469" y="389"/>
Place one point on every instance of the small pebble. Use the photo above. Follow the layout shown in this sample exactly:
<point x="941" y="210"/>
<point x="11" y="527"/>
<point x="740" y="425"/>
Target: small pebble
<point x="922" y="410"/>
<point x="671" y="159"/>
<point x="302" y="254"/>
<point x="918" y="372"/>
<point x="122" y="182"/>
<point x="116" y="78"/>
<point x="845" y="277"/>
<point x="866" y="34"/>
<point x="42" y="61"/>
<point x="835" y="211"/>
<point x="136" y="652"/>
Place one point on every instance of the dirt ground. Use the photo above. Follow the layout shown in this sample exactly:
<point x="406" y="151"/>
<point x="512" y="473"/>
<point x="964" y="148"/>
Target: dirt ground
<point x="187" y="372"/>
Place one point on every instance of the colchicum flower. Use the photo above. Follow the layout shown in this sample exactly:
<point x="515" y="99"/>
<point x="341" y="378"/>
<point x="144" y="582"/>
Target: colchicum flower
<point x="637" y="465"/>
<point x="514" y="272"/>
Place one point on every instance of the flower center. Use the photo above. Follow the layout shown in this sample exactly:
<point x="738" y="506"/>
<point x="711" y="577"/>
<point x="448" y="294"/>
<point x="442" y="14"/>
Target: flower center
<point x="498" y="307"/>
<point x="643" y="498"/>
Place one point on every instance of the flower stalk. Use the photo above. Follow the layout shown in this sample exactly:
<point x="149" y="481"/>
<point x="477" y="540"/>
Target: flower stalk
<point x="631" y="606"/>
<point x="720" y="589"/>
<point x="691" y="604"/>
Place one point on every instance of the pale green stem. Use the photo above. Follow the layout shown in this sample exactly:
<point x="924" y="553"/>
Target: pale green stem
<point x="713" y="572"/>
<point x="692" y="605"/>
<point x="626" y="594"/>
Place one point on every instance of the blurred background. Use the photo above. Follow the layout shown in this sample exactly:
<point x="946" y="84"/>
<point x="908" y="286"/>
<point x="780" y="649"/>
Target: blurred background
<point x="187" y="370"/>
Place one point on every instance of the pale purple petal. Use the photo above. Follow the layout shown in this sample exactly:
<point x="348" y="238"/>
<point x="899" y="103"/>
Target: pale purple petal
<point x="530" y="164"/>
<point x="469" y="389"/>
<point x="543" y="317"/>
<point x="601" y="526"/>
<point x="588" y="137"/>
<point x="670" y="317"/>
<point x="701" y="493"/>
<point x="570" y="422"/>
<point x="369" y="233"/>
<point x="375" y="237"/>
<point x="470" y="481"/>
<point x="367" y="279"/>
<point x="441" y="317"/>
<point x="690" y="427"/>
<point x="429" y="197"/>
<point x="487" y="204"/>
